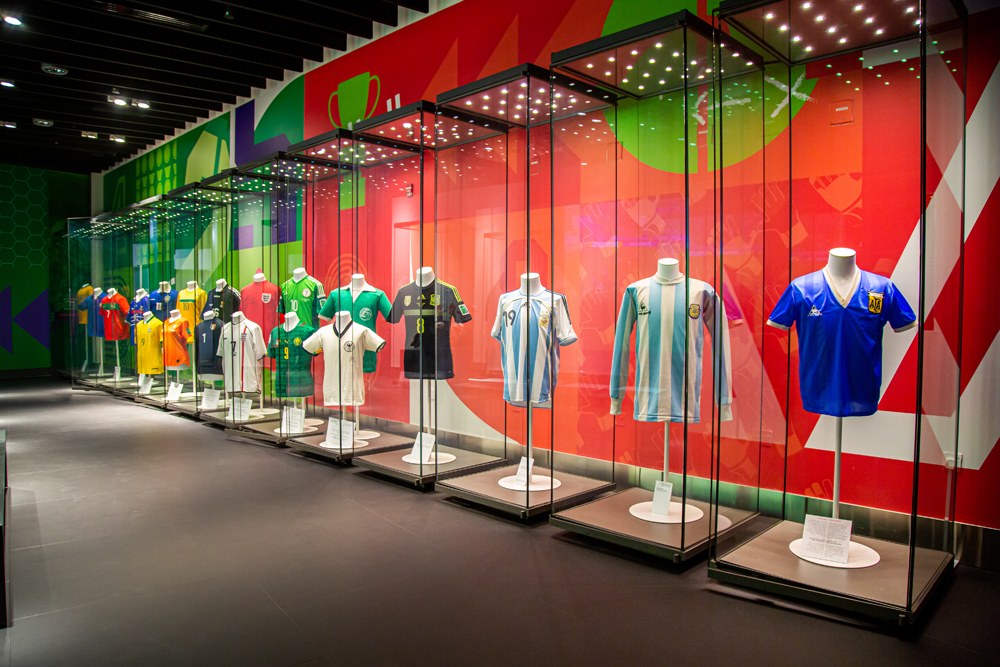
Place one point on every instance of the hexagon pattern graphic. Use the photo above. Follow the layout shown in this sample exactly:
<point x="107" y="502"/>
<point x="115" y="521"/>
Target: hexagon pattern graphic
<point x="23" y="194"/>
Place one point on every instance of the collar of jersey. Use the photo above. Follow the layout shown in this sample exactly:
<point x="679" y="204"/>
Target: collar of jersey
<point x="678" y="279"/>
<point x="340" y="334"/>
<point x="843" y="300"/>
<point x="366" y="288"/>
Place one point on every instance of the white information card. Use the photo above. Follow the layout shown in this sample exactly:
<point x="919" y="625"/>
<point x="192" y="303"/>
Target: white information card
<point x="174" y="392"/>
<point x="661" y="498"/>
<point x="145" y="384"/>
<point x="210" y="399"/>
<point x="340" y="434"/>
<point x="423" y="447"/>
<point x="826" y="539"/>
<point x="524" y="471"/>
<point x="239" y="410"/>
<point x="293" y="420"/>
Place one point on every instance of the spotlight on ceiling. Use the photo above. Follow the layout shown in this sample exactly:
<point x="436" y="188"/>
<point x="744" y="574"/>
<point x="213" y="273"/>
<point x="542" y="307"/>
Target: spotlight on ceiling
<point x="117" y="138"/>
<point x="42" y="122"/>
<point x="117" y="100"/>
<point x="7" y="84"/>
<point x="140" y="104"/>
<point x="12" y="20"/>
<point x="49" y="68"/>
<point x="88" y="135"/>
<point x="9" y="123"/>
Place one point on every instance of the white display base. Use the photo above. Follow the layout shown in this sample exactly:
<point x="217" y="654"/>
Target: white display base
<point x="435" y="458"/>
<point x="858" y="556"/>
<point x="305" y="429"/>
<point x="644" y="511"/>
<point x="358" y="444"/>
<point x="366" y="435"/>
<point x="312" y="421"/>
<point x="266" y="411"/>
<point x="538" y="483"/>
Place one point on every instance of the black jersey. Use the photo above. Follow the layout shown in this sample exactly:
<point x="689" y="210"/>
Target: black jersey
<point x="206" y="343"/>
<point x="224" y="303"/>
<point x="428" y="313"/>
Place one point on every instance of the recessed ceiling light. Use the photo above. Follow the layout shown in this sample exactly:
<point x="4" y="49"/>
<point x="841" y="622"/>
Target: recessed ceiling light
<point x="9" y="123"/>
<point x="7" y="84"/>
<point x="12" y="20"/>
<point x="117" y="138"/>
<point x="88" y="135"/>
<point x="42" y="122"/>
<point x="49" y="68"/>
<point x="139" y="103"/>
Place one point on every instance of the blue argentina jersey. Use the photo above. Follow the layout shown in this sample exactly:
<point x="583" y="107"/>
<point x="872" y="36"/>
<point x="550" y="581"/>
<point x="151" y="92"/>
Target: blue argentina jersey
<point x="664" y="317"/>
<point x="840" y="339"/>
<point x="529" y="344"/>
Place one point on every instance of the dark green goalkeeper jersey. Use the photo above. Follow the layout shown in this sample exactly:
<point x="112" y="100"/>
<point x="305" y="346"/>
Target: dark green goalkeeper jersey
<point x="293" y="376"/>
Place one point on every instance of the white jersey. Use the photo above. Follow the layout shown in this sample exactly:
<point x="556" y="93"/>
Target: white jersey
<point x="666" y="321"/>
<point x="241" y="347"/>
<point x="529" y="344"/>
<point x="344" y="361"/>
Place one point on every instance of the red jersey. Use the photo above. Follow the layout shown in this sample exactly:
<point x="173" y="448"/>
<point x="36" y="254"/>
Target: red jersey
<point x="260" y="304"/>
<point x="175" y="338"/>
<point x="114" y="310"/>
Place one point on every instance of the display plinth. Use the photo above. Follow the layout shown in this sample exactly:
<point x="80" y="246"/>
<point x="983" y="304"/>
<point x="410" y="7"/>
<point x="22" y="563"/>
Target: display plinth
<point x="484" y="488"/>
<point x="268" y="430"/>
<point x="365" y="434"/>
<point x="677" y="513"/>
<point x="858" y="556"/>
<point x="313" y="445"/>
<point x="609" y="519"/>
<point x="767" y="564"/>
<point x="187" y="405"/>
<point x="391" y="464"/>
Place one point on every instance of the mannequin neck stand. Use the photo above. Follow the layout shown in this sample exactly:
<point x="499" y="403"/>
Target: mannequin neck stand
<point x="299" y="274"/>
<point x="425" y="276"/>
<point x="291" y="321"/>
<point x="220" y="284"/>
<point x="342" y="319"/>
<point x="531" y="284"/>
<point x="238" y="317"/>
<point x="668" y="269"/>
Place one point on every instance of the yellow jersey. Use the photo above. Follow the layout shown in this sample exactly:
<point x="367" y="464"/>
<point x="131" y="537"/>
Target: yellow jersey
<point x="149" y="347"/>
<point x="191" y="303"/>
<point x="81" y="296"/>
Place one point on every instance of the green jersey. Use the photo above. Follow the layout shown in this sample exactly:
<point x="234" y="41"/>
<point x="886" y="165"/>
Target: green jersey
<point x="364" y="310"/>
<point x="304" y="298"/>
<point x="293" y="378"/>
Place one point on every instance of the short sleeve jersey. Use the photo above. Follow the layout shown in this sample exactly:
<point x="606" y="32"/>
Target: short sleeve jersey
<point x="304" y="298"/>
<point x="241" y="347"/>
<point x="260" y="304"/>
<point x="224" y="302"/>
<point x="364" y="311"/>
<point x="206" y="344"/>
<point x="343" y="363"/>
<point x="95" y="321"/>
<point x="138" y="306"/>
<point x="427" y="348"/>
<point x="531" y="330"/>
<point x="191" y="303"/>
<point x="81" y="296"/>
<point x="175" y="337"/>
<point x="293" y="376"/>
<point x="163" y="303"/>
<point x="840" y="339"/>
<point x="114" y="310"/>
<point x="149" y="346"/>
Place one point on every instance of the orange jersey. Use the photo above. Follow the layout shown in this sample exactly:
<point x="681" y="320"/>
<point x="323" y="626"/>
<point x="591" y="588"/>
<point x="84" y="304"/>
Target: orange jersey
<point x="175" y="338"/>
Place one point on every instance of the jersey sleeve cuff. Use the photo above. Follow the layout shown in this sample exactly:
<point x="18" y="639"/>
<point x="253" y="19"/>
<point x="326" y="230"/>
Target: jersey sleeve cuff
<point x="905" y="327"/>
<point x="568" y="341"/>
<point x="616" y="406"/>
<point x="772" y="323"/>
<point x="379" y="348"/>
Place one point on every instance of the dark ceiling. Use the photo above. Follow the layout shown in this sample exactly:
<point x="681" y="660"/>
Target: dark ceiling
<point x="184" y="58"/>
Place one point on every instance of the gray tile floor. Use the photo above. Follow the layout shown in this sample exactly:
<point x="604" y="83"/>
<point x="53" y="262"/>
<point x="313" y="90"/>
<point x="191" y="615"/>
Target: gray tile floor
<point x="142" y="538"/>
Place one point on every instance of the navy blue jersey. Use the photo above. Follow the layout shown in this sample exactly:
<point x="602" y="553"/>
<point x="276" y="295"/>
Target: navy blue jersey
<point x="162" y="303"/>
<point x="206" y="343"/>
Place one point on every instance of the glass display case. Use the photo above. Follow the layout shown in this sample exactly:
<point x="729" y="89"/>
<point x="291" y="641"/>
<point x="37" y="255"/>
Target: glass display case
<point x="854" y="195"/>
<point x="635" y="188"/>
<point x="496" y="236"/>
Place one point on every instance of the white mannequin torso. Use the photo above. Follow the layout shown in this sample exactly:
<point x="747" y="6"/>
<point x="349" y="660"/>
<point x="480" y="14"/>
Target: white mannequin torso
<point x="425" y="276"/>
<point x="238" y="317"/>
<point x="140" y="293"/>
<point x="668" y="269"/>
<point x="299" y="274"/>
<point x="164" y="286"/>
<point x="220" y="284"/>
<point x="842" y="274"/>
<point x="291" y="321"/>
<point x="259" y="277"/>
<point x="174" y="315"/>
<point x="208" y="315"/>
<point x="531" y="283"/>
<point x="98" y="292"/>
<point x="342" y="319"/>
<point x="147" y="316"/>
<point x="358" y="285"/>
<point x="193" y="285"/>
<point x="112" y="291"/>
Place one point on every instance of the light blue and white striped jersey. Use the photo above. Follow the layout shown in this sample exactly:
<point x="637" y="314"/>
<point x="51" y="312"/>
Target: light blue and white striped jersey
<point x="657" y="311"/>
<point x="529" y="345"/>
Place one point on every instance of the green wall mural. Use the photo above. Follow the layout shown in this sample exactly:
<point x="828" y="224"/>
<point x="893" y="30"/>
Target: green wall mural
<point x="197" y="154"/>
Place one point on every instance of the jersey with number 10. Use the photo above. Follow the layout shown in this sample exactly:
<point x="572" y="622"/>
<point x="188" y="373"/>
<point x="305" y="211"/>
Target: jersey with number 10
<point x="670" y="323"/>
<point x="304" y="298"/>
<point x="531" y="330"/>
